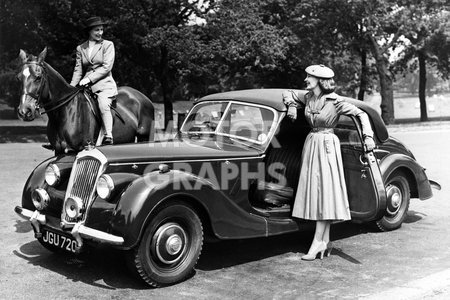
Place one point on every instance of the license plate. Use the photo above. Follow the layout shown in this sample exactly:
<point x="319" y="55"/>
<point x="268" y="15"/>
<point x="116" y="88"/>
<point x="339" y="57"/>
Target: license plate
<point x="60" y="241"/>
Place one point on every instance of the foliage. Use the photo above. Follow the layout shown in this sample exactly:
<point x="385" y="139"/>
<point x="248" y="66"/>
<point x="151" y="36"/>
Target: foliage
<point x="239" y="47"/>
<point x="183" y="49"/>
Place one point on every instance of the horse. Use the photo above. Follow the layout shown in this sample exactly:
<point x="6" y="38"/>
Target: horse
<point x="74" y="122"/>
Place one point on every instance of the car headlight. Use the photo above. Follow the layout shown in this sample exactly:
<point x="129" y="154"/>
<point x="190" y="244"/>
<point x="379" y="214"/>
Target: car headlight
<point x="52" y="175"/>
<point x="105" y="186"/>
<point x="40" y="198"/>
<point x="73" y="207"/>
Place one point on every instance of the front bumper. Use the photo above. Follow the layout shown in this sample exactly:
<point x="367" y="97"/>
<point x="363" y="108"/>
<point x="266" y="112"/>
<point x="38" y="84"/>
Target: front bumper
<point x="79" y="231"/>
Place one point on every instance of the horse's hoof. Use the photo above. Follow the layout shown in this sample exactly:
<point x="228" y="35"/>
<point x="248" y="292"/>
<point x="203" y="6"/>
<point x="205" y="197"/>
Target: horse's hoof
<point x="48" y="147"/>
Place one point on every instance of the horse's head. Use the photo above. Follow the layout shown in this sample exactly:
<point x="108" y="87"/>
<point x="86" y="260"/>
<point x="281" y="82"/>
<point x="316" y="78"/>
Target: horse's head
<point x="32" y="78"/>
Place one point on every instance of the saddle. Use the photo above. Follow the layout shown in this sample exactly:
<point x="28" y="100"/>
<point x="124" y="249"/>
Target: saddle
<point x="92" y="99"/>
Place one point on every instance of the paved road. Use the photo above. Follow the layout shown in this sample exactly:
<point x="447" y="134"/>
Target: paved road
<point x="410" y="263"/>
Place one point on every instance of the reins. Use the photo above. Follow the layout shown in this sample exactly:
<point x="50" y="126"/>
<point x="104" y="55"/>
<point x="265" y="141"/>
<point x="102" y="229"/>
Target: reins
<point x="53" y="106"/>
<point x="48" y="107"/>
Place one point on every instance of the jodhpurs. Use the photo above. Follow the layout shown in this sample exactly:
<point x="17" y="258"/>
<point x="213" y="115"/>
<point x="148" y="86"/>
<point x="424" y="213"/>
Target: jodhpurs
<point x="105" y="98"/>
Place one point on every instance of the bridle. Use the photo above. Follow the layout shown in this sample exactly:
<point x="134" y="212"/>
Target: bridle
<point x="37" y="96"/>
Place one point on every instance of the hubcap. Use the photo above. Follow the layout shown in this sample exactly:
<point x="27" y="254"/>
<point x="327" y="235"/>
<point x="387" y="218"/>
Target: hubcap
<point x="170" y="243"/>
<point x="394" y="196"/>
<point x="174" y="244"/>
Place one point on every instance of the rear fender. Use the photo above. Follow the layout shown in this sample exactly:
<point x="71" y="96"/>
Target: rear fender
<point x="418" y="181"/>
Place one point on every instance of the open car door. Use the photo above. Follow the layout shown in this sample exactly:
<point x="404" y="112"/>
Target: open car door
<point x="365" y="187"/>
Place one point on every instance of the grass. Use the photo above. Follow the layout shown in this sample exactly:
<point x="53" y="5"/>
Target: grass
<point x="407" y="107"/>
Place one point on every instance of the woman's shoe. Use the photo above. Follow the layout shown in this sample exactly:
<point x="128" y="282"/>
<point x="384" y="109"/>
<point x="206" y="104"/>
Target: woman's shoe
<point x="329" y="249"/>
<point x="312" y="253"/>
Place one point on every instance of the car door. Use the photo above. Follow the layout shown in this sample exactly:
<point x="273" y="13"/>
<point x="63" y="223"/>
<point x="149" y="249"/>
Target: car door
<point x="365" y="187"/>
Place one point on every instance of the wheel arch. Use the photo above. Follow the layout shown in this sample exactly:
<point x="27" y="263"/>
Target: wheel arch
<point x="410" y="177"/>
<point x="188" y="200"/>
<point x="142" y="200"/>
<point x="170" y="244"/>
<point x="415" y="174"/>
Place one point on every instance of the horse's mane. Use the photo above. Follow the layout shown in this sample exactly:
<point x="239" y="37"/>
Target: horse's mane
<point x="55" y="74"/>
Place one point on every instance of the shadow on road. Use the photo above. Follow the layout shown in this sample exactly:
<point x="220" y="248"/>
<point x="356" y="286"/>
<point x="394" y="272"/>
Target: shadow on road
<point x="225" y="254"/>
<point x="23" y="226"/>
<point x="103" y="268"/>
<point x="106" y="268"/>
<point x="414" y="216"/>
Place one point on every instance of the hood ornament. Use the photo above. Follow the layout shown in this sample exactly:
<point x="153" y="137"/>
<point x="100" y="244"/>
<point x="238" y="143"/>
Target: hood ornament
<point x="89" y="146"/>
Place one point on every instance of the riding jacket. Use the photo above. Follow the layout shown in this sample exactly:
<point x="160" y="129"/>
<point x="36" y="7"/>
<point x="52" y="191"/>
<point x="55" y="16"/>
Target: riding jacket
<point x="97" y="67"/>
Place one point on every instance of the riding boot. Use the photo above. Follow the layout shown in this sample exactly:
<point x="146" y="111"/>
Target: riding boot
<point x="107" y="140"/>
<point x="105" y="98"/>
<point x="108" y="124"/>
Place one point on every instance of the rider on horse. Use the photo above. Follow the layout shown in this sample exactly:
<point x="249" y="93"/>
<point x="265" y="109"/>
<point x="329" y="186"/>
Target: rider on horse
<point x="94" y="62"/>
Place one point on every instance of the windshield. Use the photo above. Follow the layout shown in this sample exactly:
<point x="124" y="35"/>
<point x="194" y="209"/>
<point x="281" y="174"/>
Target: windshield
<point x="242" y="121"/>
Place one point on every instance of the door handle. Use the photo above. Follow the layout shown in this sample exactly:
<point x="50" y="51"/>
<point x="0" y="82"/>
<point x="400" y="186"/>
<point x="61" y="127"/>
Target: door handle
<point x="363" y="160"/>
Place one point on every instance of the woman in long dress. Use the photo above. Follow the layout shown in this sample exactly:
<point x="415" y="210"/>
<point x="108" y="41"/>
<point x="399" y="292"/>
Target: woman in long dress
<point x="322" y="192"/>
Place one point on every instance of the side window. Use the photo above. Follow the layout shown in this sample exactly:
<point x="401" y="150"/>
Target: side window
<point x="248" y="122"/>
<point x="205" y="118"/>
<point x="347" y="133"/>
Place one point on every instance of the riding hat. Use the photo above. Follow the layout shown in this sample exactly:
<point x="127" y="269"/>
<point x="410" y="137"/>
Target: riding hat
<point x="94" y="21"/>
<point x="320" y="71"/>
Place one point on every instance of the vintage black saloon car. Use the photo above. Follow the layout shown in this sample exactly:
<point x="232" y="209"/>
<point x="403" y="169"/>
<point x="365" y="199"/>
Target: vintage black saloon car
<point x="230" y="173"/>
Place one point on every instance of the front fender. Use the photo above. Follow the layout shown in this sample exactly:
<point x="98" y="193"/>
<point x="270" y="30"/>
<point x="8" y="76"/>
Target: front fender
<point x="418" y="181"/>
<point x="37" y="180"/>
<point x="34" y="181"/>
<point x="143" y="196"/>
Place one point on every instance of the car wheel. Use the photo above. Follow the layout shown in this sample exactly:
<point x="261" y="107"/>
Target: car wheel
<point x="397" y="196"/>
<point x="170" y="246"/>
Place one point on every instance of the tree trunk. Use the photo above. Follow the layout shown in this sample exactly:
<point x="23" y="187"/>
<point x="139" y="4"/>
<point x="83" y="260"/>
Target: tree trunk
<point x="164" y="80"/>
<point x="422" y="86"/>
<point x="363" y="81"/>
<point x="386" y="80"/>
<point x="168" y="106"/>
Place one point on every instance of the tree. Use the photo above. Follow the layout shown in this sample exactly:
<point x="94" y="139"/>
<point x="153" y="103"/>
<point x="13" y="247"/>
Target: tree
<point x="149" y="35"/>
<point x="427" y="43"/>
<point x="160" y="31"/>
<point x="242" y="49"/>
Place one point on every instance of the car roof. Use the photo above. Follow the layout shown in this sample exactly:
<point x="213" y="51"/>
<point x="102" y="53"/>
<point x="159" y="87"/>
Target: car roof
<point x="273" y="98"/>
<point x="268" y="97"/>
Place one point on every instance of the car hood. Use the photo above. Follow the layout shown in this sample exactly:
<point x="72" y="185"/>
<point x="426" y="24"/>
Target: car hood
<point x="183" y="149"/>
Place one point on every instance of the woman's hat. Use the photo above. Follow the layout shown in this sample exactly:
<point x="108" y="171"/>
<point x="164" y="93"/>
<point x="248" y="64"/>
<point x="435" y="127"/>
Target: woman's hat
<point x="94" y="21"/>
<point x="320" y="71"/>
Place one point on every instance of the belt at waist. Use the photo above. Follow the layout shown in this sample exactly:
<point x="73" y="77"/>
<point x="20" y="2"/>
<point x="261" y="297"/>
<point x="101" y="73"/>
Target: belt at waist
<point x="322" y="130"/>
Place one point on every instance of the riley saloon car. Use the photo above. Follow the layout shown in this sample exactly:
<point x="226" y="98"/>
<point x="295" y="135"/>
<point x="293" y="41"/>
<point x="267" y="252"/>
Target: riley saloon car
<point x="231" y="172"/>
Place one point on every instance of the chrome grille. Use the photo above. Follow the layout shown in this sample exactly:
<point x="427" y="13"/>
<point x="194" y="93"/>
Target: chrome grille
<point x="83" y="179"/>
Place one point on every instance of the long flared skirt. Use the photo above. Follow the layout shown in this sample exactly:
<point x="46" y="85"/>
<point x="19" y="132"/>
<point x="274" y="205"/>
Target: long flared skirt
<point x="321" y="192"/>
